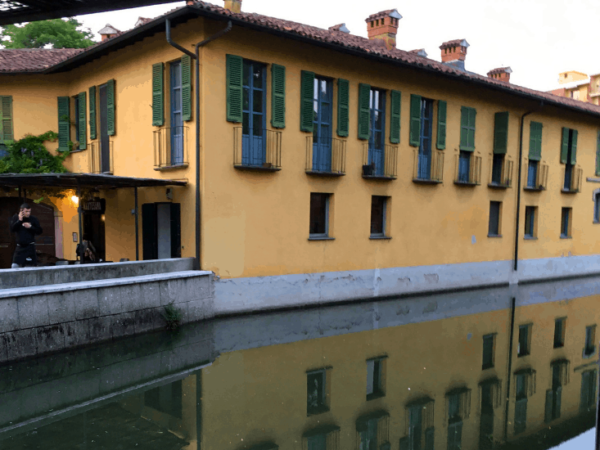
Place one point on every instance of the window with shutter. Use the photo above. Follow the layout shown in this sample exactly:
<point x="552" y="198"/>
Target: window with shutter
<point x="395" y="122"/>
<point x="93" y="130"/>
<point x="441" y="125"/>
<point x="158" y="108"/>
<point x="574" y="147"/>
<point x="415" y="120"/>
<point x="467" y="129"/>
<point x="343" y="117"/>
<point x="235" y="66"/>
<point x="64" y="124"/>
<point x="598" y="154"/>
<point x="82" y="126"/>
<point x="535" y="141"/>
<point x="278" y="96"/>
<point x="6" y="120"/>
<point x="564" y="145"/>
<point x="111" y="107"/>
<point x="307" y="92"/>
<point x="364" y="110"/>
<point x="186" y="88"/>
<point x="500" y="132"/>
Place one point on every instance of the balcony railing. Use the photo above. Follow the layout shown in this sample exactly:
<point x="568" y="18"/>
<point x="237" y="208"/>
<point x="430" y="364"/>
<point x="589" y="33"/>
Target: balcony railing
<point x="326" y="157"/>
<point x="428" y="169"/>
<point x="170" y="147"/>
<point x="259" y="151"/>
<point x="501" y="176"/>
<point x="380" y="163"/>
<point x="572" y="180"/>
<point x="468" y="170"/>
<point x="101" y="157"/>
<point x="536" y="177"/>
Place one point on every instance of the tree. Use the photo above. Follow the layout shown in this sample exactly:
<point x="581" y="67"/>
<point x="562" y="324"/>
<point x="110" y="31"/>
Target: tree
<point x="56" y="32"/>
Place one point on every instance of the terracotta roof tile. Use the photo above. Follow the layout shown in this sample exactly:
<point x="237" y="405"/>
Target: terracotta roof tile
<point x="33" y="59"/>
<point x="379" y="15"/>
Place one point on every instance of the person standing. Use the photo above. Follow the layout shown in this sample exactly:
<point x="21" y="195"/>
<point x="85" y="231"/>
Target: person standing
<point x="26" y="228"/>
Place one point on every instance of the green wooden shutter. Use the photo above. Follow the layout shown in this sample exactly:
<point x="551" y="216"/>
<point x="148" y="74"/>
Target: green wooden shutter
<point x="277" y="96"/>
<point x="429" y="438"/>
<point x="364" y="111"/>
<point x="307" y="92"/>
<point x="82" y="131"/>
<point x="574" y="148"/>
<point x="235" y="92"/>
<point x="343" y="118"/>
<point x="500" y="132"/>
<point x="158" y="95"/>
<point x="6" y="120"/>
<point x="441" y="125"/>
<point x="405" y="443"/>
<point x="548" y="407"/>
<point x="395" y="117"/>
<point x="415" y="120"/>
<point x="111" y="106"/>
<point x="186" y="88"/>
<point x="535" y="141"/>
<point x="93" y="133"/>
<point x="64" y="124"/>
<point x="565" y="145"/>
<point x="467" y="129"/>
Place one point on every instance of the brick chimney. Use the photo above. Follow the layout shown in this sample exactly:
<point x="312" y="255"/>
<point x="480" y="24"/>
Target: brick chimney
<point x="108" y="32"/>
<point x="500" y="74"/>
<point x="234" y="6"/>
<point x="454" y="53"/>
<point x="384" y="26"/>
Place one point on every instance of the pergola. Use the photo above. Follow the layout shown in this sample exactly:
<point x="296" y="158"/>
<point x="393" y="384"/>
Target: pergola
<point x="13" y="11"/>
<point x="79" y="181"/>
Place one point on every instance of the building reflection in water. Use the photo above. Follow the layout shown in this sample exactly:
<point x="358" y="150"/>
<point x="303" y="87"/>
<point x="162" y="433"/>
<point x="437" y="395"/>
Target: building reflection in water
<point x="449" y="383"/>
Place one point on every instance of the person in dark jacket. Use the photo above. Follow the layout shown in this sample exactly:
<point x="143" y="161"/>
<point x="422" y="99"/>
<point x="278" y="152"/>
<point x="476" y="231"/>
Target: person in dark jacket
<point x="26" y="228"/>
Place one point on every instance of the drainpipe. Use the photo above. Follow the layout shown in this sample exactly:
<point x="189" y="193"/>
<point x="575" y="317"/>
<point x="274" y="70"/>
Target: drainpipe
<point x="196" y="57"/>
<point x="516" y="261"/>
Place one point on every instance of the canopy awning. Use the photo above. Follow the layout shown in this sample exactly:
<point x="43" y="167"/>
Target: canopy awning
<point x="17" y="11"/>
<point x="82" y="180"/>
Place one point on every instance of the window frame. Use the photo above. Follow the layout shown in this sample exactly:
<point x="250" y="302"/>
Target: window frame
<point x="560" y="342"/>
<point x="324" y="406"/>
<point x="384" y="221"/>
<point x="490" y="364"/>
<point x="379" y="368"/>
<point x="589" y="348"/>
<point x="530" y="231"/>
<point x="597" y="206"/>
<point x="326" y="235"/>
<point x="527" y="351"/>
<point x="566" y="222"/>
<point x="499" y="220"/>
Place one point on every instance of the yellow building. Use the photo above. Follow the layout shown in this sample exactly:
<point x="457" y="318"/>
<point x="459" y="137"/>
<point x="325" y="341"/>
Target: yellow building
<point x="324" y="157"/>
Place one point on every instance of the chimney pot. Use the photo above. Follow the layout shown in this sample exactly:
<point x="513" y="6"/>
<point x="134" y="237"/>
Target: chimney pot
<point x="500" y="74"/>
<point x="454" y="53"/>
<point x="235" y="6"/>
<point x="384" y="26"/>
<point x="108" y="32"/>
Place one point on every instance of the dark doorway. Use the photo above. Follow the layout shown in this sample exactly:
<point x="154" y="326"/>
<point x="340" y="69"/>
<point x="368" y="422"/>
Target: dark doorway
<point x="161" y="230"/>
<point x="104" y="142"/>
<point x="45" y="242"/>
<point x="94" y="231"/>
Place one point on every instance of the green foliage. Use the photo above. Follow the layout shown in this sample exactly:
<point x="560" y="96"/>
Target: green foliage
<point x="29" y="155"/>
<point x="56" y="32"/>
<point x="172" y="316"/>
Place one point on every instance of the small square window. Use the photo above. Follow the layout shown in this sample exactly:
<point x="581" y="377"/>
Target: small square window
<point x="565" y="223"/>
<point x="378" y="216"/>
<point x="319" y="215"/>
<point x="559" y="332"/>
<point x="375" y="378"/>
<point x="523" y="348"/>
<point x="488" y="351"/>
<point x="530" y="213"/>
<point x="316" y="392"/>
<point x="494" y="226"/>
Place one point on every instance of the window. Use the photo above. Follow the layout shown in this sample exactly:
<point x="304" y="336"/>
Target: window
<point x="532" y="174"/>
<point x="598" y="154"/>
<point x="524" y="344"/>
<point x="501" y="120"/>
<point x="425" y="139"/>
<point x="535" y="154"/>
<point x="373" y="431"/>
<point x="378" y="216"/>
<point x="497" y="165"/>
<point x="322" y="106"/>
<point x="553" y="396"/>
<point x="319" y="215"/>
<point x="316" y="392"/>
<point x="176" y="115"/>
<point x="530" y="213"/>
<point x="254" y="114"/>
<point x="521" y="403"/>
<point x="568" y="156"/>
<point x="494" y="225"/>
<point x="588" y="391"/>
<point x="166" y="399"/>
<point x="565" y="223"/>
<point x="467" y="129"/>
<point x="320" y="438"/>
<point x="377" y="131"/>
<point x="464" y="167"/>
<point x="6" y="121"/>
<point x="488" y="393"/>
<point x="590" y="338"/>
<point x="597" y="207"/>
<point x="77" y="124"/>
<point x="375" y="378"/>
<point x="559" y="332"/>
<point x="488" y="351"/>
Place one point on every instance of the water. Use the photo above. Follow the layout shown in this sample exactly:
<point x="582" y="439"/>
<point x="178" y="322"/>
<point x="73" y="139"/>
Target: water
<point x="429" y="372"/>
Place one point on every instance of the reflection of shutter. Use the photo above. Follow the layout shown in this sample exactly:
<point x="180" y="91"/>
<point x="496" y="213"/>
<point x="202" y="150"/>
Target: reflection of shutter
<point x="535" y="141"/>
<point x="307" y="92"/>
<point x="564" y="151"/>
<point x="395" y="117"/>
<point x="574" y="148"/>
<point x="429" y="436"/>
<point x="405" y="443"/>
<point x="93" y="133"/>
<point x="278" y="96"/>
<point x="235" y="94"/>
<point x="364" y="111"/>
<point x="82" y="132"/>
<point x="500" y="132"/>
<point x="186" y="88"/>
<point x="585" y="377"/>
<point x="415" y="120"/>
<point x="158" y="110"/>
<point x="64" y="124"/>
<point x="548" y="412"/>
<point x="332" y="440"/>
<point x="441" y="128"/>
<point x="383" y="429"/>
<point x="111" y="107"/>
<point x="558" y="396"/>
<point x="343" y="108"/>
<point x="6" y="120"/>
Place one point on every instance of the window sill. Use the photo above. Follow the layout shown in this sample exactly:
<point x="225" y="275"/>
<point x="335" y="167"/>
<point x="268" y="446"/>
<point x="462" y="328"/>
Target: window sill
<point x="466" y="183"/>
<point x="498" y="186"/>
<point x="534" y="189"/>
<point x="562" y="236"/>
<point x="569" y="191"/>
<point x="317" y="411"/>
<point x="487" y="366"/>
<point x="78" y="150"/>
<point x="530" y="238"/>
<point x="559" y="346"/>
<point x="175" y="167"/>
<point x="522" y="355"/>
<point x="257" y="168"/>
<point x="325" y="174"/>
<point x="378" y="177"/>
<point x="494" y="235"/>
<point x="321" y="238"/>
<point x="596" y="222"/>
<point x="426" y="181"/>
<point x="379" y="238"/>
<point x="375" y="396"/>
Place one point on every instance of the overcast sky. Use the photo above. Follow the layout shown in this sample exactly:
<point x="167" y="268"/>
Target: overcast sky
<point x="538" y="39"/>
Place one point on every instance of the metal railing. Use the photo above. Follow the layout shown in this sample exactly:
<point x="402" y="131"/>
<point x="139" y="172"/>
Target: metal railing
<point x="100" y="163"/>
<point x="326" y="157"/>
<point x="538" y="181"/>
<point x="258" y="152"/>
<point x="170" y="147"/>
<point x="428" y="168"/>
<point x="501" y="176"/>
<point x="470" y="177"/>
<point x="572" y="179"/>
<point x="380" y="163"/>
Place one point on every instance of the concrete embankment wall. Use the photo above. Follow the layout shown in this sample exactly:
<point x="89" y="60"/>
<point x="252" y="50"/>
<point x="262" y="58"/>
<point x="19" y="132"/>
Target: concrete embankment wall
<point x="43" y="319"/>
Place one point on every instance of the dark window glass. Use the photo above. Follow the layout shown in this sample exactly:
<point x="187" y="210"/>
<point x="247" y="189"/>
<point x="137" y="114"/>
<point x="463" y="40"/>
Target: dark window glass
<point x="564" y="223"/>
<point x="529" y="221"/>
<point x="318" y="214"/>
<point x="497" y="169"/>
<point x="486" y="425"/>
<point x="378" y="207"/>
<point x="374" y="379"/>
<point x="523" y="348"/>
<point x="425" y="139"/>
<point x="166" y="399"/>
<point x="377" y="131"/>
<point x="494" y="227"/>
<point x="488" y="351"/>
<point x="559" y="330"/>
<point x="315" y="390"/>
<point x="532" y="174"/>
<point x="464" y="166"/>
<point x="589" y="339"/>
<point x="596" y="207"/>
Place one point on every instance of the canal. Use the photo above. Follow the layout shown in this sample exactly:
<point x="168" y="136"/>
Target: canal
<point x="500" y="368"/>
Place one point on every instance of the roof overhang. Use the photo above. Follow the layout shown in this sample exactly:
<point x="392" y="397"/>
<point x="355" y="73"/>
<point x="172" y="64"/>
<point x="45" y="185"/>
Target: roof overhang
<point x="82" y="180"/>
<point x="12" y="11"/>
